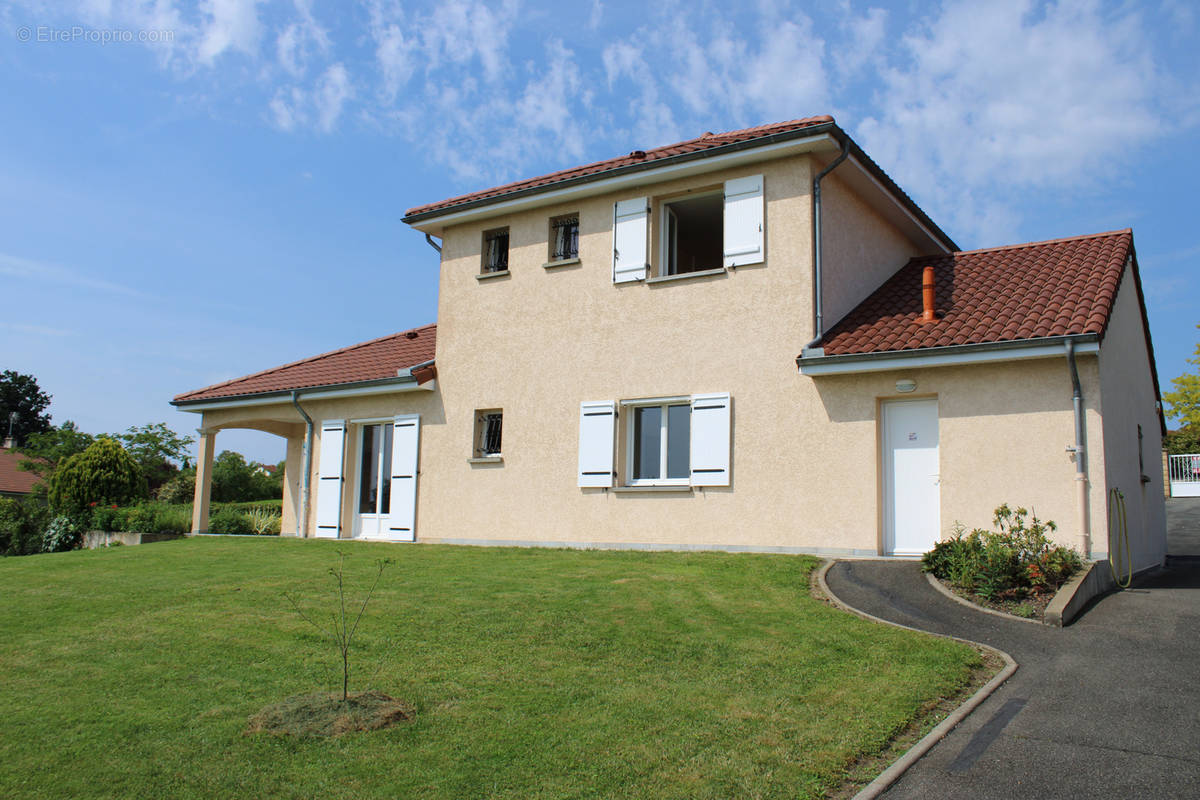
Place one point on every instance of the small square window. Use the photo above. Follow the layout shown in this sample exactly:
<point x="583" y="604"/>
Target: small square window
<point x="495" y="250"/>
<point x="564" y="237"/>
<point x="489" y="426"/>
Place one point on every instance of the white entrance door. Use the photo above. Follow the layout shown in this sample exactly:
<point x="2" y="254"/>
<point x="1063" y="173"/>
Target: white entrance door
<point x="911" y="497"/>
<point x="374" y="498"/>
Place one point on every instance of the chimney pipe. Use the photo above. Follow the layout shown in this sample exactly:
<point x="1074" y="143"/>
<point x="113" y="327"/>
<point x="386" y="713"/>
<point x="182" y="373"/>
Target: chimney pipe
<point x="927" y="296"/>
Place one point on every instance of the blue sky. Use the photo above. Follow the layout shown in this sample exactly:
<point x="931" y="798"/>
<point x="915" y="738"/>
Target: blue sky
<point x="192" y="192"/>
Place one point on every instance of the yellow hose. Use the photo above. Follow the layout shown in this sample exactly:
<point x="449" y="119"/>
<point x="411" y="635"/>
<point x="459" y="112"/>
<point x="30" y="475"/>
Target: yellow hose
<point x="1116" y="502"/>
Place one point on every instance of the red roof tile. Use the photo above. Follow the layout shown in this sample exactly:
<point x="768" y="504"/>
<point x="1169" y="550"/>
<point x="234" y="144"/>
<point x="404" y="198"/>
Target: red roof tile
<point x="1024" y="291"/>
<point x="374" y="360"/>
<point x="706" y="142"/>
<point x="13" y="480"/>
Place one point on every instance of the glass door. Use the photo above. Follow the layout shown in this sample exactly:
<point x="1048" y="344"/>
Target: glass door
<point x="374" y="481"/>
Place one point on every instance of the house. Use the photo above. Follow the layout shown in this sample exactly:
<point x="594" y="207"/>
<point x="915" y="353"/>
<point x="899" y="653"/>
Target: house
<point x="15" y="482"/>
<point x="746" y="341"/>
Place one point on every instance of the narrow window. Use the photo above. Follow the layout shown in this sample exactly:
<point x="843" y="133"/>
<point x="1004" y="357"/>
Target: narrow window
<point x="375" y="462"/>
<point x="564" y="238"/>
<point x="495" y="250"/>
<point x="692" y="233"/>
<point x="489" y="429"/>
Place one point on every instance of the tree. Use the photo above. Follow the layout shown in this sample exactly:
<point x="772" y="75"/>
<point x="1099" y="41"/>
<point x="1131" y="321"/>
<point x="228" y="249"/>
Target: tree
<point x="157" y="449"/>
<point x="22" y="395"/>
<point x="102" y="474"/>
<point x="1184" y="441"/>
<point x="48" y="449"/>
<point x="1184" y="403"/>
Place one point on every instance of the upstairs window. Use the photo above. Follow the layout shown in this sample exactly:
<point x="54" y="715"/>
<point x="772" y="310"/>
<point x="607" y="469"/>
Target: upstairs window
<point x="495" y="250"/>
<point x="691" y="234"/>
<point x="564" y="238"/>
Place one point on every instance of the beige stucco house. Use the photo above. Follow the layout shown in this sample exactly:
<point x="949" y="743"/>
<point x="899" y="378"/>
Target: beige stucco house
<point x="746" y="341"/>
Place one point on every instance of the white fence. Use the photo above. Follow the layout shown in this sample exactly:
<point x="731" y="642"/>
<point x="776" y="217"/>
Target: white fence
<point x="1185" y="475"/>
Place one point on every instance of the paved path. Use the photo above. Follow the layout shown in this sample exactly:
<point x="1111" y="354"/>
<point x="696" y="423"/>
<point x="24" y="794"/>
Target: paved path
<point x="1183" y="526"/>
<point x="1106" y="708"/>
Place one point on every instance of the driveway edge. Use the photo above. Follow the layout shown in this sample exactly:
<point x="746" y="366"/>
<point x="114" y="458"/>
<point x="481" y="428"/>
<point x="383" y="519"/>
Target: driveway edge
<point x="898" y="767"/>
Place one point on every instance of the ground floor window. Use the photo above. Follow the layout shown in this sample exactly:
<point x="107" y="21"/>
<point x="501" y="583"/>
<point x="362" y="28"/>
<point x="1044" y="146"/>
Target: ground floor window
<point x="659" y="443"/>
<point x="375" y="461"/>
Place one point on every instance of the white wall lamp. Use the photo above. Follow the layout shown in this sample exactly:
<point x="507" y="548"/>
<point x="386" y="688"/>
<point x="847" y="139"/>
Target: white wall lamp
<point x="904" y="386"/>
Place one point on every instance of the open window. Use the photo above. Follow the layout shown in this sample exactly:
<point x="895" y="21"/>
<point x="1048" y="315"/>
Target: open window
<point x="495" y="251"/>
<point x="564" y="238"/>
<point x="691" y="234"/>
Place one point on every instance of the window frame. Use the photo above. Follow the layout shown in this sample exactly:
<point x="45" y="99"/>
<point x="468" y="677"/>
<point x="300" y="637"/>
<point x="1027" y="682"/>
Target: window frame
<point x="663" y="231"/>
<point x="383" y="464"/>
<point x="479" y="438"/>
<point x="630" y="440"/>
<point x="555" y="223"/>
<point x="485" y="267"/>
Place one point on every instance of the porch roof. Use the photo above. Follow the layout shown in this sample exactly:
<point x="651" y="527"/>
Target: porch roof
<point x="377" y="360"/>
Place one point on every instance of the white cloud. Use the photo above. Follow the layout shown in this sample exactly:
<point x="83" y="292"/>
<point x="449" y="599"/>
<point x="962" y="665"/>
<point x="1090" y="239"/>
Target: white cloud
<point x="332" y="93"/>
<point x="1007" y="93"/>
<point x="228" y="25"/>
<point x="29" y="269"/>
<point x="300" y="40"/>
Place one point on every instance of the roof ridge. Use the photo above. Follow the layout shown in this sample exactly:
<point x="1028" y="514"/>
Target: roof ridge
<point x="308" y="360"/>
<point x="714" y="138"/>
<point x="1030" y="244"/>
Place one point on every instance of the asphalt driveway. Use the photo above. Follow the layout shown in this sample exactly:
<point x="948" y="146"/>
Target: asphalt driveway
<point x="1108" y="707"/>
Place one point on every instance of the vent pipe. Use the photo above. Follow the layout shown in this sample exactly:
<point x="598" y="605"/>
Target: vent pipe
<point x="928" y="296"/>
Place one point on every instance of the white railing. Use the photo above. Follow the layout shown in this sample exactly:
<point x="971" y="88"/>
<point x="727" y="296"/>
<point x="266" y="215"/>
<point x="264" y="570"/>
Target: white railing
<point x="1185" y="475"/>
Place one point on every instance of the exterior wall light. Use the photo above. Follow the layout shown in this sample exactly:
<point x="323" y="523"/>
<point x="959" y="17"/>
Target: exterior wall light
<point x="905" y="386"/>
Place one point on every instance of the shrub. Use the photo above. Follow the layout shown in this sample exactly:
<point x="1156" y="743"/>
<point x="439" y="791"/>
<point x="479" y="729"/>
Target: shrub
<point x="63" y="533"/>
<point x="108" y="518"/>
<point x="228" y="520"/>
<point x="264" y="521"/>
<point x="21" y="526"/>
<point x="102" y="474"/>
<point x="1015" y="560"/>
<point x="142" y="519"/>
<point x="173" y="520"/>
<point x="179" y="489"/>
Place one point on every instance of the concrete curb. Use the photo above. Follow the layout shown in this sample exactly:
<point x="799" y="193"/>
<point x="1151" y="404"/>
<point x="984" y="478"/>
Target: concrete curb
<point x="935" y="583"/>
<point x="898" y="767"/>
<point x="1076" y="593"/>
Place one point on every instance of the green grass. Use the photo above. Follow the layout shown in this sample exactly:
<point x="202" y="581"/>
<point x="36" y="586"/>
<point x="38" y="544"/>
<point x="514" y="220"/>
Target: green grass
<point x="534" y="673"/>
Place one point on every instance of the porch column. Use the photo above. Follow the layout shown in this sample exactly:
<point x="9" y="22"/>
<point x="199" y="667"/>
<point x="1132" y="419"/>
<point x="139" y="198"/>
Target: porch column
<point x="204" y="462"/>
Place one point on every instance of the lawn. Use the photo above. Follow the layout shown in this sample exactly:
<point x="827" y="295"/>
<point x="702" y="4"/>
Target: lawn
<point x="534" y="673"/>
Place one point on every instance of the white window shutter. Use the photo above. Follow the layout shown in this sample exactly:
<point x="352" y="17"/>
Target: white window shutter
<point x="406" y="440"/>
<point x="597" y="426"/>
<point x="710" y="439"/>
<point x="330" y="480"/>
<point x="744" y="221"/>
<point x="630" y="237"/>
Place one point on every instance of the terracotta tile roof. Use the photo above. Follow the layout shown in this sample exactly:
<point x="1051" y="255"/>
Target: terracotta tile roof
<point x="1024" y="291"/>
<point x="13" y="480"/>
<point x="374" y="360"/>
<point x="708" y="141"/>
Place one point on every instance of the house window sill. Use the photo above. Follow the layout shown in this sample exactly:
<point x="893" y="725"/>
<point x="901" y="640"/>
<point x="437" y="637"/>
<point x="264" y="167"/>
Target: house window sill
<point x="664" y="488"/>
<point x="484" y="276"/>
<point x="704" y="273"/>
<point x="486" y="460"/>
<point x="566" y="262"/>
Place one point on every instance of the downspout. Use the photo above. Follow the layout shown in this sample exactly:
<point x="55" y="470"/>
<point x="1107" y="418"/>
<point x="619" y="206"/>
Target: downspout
<point x="429" y="240"/>
<point x="1081" y="479"/>
<point x="306" y="474"/>
<point x="818" y="329"/>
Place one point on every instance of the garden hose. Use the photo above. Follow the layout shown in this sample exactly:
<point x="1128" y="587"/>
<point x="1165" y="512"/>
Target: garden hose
<point x="1119" y="525"/>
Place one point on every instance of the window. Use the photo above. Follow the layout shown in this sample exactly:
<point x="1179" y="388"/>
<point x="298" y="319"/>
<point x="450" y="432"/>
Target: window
<point x="564" y="238"/>
<point x="658" y="449"/>
<point x="691" y="234"/>
<point x="695" y="233"/>
<point x="495" y="250"/>
<point x="668" y="441"/>
<point x="375" y="470"/>
<point x="489" y="426"/>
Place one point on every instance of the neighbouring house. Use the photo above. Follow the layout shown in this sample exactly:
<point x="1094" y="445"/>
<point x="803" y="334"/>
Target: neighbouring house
<point x="15" y="482"/>
<point x="752" y="340"/>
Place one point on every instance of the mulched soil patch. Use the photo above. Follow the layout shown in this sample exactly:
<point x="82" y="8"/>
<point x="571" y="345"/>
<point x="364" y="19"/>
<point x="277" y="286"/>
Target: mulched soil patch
<point x="321" y="715"/>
